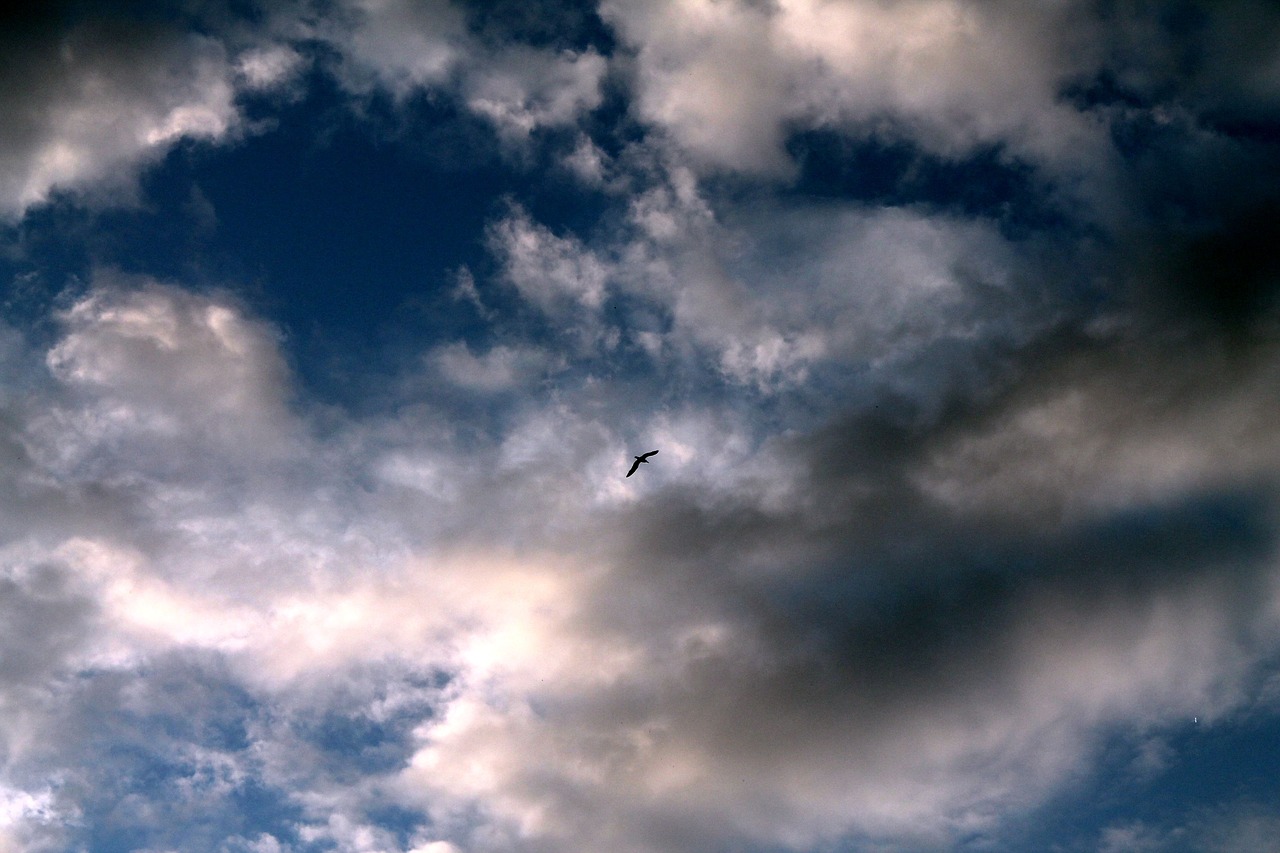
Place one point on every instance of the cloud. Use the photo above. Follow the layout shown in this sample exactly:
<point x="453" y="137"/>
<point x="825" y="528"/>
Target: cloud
<point x="1113" y="426"/>
<point x="95" y="98"/>
<point x="152" y="362"/>
<point x="269" y="67"/>
<point x="400" y="45"/>
<point x="588" y="688"/>
<point x="1241" y="825"/>
<point x="557" y="275"/>
<point x="951" y="75"/>
<point x="1055" y="89"/>
<point x="501" y="369"/>
<point x="774" y="639"/>
<point x="525" y="90"/>
<point x="407" y="48"/>
<point x="771" y="293"/>
<point x="944" y="506"/>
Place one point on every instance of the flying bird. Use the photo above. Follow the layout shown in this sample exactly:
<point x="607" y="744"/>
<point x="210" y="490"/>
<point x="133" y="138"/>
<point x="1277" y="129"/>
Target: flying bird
<point x="644" y="457"/>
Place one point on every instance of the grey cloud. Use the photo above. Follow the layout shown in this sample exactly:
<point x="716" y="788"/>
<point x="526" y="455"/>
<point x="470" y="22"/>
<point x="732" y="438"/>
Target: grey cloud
<point x="787" y="659"/>
<point x="48" y="617"/>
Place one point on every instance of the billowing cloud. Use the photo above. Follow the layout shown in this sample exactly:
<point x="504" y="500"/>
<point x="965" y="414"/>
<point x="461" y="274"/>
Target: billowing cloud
<point x="501" y="369"/>
<point x="400" y="45"/>
<point x="408" y="48"/>
<point x="90" y="103"/>
<point x="727" y="79"/>
<point x="528" y="89"/>
<point x="965" y="497"/>
<point x="578" y="690"/>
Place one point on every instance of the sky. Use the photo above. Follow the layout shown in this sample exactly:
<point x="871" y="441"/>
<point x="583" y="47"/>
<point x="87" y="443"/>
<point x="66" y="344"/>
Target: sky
<point x="329" y="330"/>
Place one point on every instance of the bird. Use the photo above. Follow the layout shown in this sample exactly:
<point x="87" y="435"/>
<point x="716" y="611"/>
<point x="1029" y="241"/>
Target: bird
<point x="644" y="457"/>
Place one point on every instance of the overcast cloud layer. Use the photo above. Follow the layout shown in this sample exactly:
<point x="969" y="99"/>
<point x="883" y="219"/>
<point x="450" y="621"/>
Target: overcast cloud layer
<point x="954" y="322"/>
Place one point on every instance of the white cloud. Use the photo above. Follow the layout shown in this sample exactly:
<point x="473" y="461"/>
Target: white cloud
<point x="558" y="275"/>
<point x="502" y="368"/>
<point x="524" y="89"/>
<point x="405" y="47"/>
<point x="269" y="67"/>
<point x="398" y="44"/>
<point x="596" y="636"/>
<point x="902" y="636"/>
<point x="154" y="362"/>
<point x="1133" y="837"/>
<point x="726" y="79"/>
<point x="587" y="162"/>
<point x="771" y="293"/>
<point x="88" y="107"/>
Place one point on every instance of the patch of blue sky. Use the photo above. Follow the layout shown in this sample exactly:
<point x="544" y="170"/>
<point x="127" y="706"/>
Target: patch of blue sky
<point x="347" y="227"/>
<point x="354" y="744"/>
<point x="880" y="171"/>
<point x="185" y="778"/>
<point x="1175" y="780"/>
<point x="554" y="24"/>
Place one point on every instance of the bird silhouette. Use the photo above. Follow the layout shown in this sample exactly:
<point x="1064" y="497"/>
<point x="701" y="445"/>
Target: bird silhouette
<point x="641" y="458"/>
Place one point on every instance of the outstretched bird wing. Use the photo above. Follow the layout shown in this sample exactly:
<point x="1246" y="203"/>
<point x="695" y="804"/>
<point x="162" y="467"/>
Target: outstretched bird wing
<point x="643" y="457"/>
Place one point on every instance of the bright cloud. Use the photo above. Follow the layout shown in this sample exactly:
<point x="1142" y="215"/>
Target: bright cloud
<point x="953" y="323"/>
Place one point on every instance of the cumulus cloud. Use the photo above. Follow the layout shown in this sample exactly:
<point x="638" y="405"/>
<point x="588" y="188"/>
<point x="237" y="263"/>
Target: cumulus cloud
<point x="91" y="101"/>
<point x="501" y="369"/>
<point x="400" y="45"/>
<point x="577" y="685"/>
<point x="526" y="89"/>
<point x="951" y="75"/>
<point x="409" y="48"/>
<point x="946" y="504"/>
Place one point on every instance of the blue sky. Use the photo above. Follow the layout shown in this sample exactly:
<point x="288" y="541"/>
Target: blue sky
<point x="328" y="331"/>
